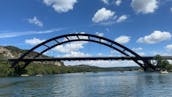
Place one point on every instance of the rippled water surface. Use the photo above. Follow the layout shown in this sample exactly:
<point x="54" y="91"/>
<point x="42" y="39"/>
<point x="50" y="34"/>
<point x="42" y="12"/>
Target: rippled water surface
<point x="104" y="84"/>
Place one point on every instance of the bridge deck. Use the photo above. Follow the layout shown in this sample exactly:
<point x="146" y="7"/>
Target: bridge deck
<point x="91" y="58"/>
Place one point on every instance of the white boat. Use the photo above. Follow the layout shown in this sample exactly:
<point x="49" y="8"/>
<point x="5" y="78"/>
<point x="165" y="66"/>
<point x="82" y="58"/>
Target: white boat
<point x="39" y="75"/>
<point x="24" y="75"/>
<point x="163" y="71"/>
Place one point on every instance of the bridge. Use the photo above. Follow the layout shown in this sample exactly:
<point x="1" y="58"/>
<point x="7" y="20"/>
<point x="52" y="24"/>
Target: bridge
<point x="90" y="58"/>
<point x="47" y="45"/>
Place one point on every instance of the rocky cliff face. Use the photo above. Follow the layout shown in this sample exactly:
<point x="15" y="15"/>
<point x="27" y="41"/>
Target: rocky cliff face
<point x="7" y="52"/>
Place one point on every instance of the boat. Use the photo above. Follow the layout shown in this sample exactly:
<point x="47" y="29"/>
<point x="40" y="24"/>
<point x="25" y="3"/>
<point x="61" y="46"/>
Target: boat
<point x="24" y="75"/>
<point x="163" y="71"/>
<point x="40" y="75"/>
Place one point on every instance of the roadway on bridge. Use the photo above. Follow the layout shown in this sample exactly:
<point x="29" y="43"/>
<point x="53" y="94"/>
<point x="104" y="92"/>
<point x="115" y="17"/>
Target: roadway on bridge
<point x="91" y="58"/>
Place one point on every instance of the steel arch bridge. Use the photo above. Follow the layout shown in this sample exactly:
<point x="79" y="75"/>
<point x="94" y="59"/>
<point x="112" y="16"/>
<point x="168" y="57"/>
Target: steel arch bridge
<point x="67" y="38"/>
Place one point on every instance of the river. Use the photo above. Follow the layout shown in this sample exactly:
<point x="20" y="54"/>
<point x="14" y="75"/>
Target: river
<point x="102" y="84"/>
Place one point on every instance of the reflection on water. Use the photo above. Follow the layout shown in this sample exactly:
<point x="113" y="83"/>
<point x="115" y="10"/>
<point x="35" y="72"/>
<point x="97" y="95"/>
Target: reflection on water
<point x="105" y="84"/>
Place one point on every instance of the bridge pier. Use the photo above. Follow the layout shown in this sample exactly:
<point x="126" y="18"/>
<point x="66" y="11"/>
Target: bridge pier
<point x="148" y="66"/>
<point x="18" y="71"/>
<point x="148" y="69"/>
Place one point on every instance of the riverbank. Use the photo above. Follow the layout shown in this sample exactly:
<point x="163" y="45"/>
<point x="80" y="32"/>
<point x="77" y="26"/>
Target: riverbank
<point x="45" y="69"/>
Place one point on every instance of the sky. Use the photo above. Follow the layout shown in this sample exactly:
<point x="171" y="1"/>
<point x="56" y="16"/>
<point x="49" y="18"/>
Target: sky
<point x="145" y="26"/>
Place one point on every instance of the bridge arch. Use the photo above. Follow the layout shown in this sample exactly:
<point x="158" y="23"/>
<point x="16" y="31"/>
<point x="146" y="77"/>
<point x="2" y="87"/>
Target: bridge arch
<point x="59" y="40"/>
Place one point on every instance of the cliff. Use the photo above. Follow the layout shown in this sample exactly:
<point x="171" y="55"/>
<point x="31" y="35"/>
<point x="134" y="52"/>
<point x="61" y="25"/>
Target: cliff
<point x="7" y="52"/>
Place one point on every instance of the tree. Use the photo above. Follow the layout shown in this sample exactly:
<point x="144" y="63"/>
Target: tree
<point x="162" y="64"/>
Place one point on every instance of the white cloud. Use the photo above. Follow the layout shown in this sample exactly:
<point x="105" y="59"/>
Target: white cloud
<point x="171" y="9"/>
<point x="100" y="33"/>
<point x="61" y="6"/>
<point x="105" y="1"/>
<point x="35" y="21"/>
<point x="155" y="37"/>
<point x="144" y="6"/>
<point x="81" y="37"/>
<point x="76" y="54"/>
<point x="103" y="15"/>
<point x="162" y="53"/>
<point x="24" y="33"/>
<point x="118" y="2"/>
<point x="137" y="49"/>
<point x="121" y="18"/>
<point x="169" y="47"/>
<point x="122" y="39"/>
<point x="100" y="54"/>
<point x="141" y="53"/>
<point x="103" y="63"/>
<point x="33" y="41"/>
<point x="114" y="52"/>
<point x="70" y="47"/>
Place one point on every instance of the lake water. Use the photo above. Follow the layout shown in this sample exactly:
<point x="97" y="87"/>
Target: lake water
<point x="103" y="84"/>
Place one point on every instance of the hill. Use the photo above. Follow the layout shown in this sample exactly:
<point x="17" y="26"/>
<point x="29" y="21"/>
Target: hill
<point x="7" y="52"/>
<point x="14" y="52"/>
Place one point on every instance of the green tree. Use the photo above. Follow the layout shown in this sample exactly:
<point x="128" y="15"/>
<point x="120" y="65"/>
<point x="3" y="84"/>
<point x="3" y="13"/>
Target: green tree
<point x="5" y="70"/>
<point x="162" y="64"/>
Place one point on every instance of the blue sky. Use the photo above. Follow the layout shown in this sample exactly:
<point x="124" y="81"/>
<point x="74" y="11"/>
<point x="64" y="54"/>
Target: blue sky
<point x="142" y="25"/>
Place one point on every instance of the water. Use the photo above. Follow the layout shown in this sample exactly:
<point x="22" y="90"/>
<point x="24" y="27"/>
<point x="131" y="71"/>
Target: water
<point x="104" y="84"/>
